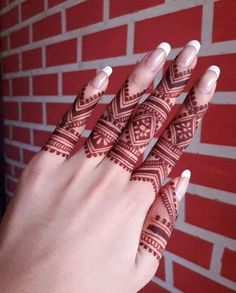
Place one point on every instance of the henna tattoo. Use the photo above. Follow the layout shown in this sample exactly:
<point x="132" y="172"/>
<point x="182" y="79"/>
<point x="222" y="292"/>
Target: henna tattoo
<point x="149" y="118"/>
<point x="157" y="232"/>
<point x="70" y="126"/>
<point x="174" y="140"/>
<point x="112" y="122"/>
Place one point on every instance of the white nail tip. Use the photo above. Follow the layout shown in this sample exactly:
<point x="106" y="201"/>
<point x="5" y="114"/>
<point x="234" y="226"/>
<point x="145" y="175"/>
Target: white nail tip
<point x="195" y="44"/>
<point x="214" y="68"/>
<point x="186" y="173"/>
<point x="107" y="70"/>
<point x="165" y="46"/>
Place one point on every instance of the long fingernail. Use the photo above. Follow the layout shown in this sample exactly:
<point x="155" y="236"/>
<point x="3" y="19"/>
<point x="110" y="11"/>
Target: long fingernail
<point x="188" y="54"/>
<point x="182" y="184"/>
<point x="100" y="79"/>
<point x="155" y="58"/>
<point x="208" y="80"/>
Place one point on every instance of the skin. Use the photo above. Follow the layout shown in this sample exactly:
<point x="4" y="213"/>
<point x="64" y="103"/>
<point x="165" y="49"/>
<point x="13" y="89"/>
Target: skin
<point x="74" y="224"/>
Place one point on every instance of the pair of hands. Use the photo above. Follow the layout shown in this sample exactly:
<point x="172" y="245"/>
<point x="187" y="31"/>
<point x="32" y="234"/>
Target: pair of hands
<point x="92" y="221"/>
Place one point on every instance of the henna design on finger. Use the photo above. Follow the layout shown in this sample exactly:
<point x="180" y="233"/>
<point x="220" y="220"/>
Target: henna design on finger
<point x="160" y="224"/>
<point x="112" y="122"/>
<point x="149" y="117"/>
<point x="70" y="126"/>
<point x="170" y="146"/>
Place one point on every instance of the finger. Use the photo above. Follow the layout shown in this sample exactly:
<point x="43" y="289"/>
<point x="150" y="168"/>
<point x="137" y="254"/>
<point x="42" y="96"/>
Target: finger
<point x="179" y="133"/>
<point x="150" y="115"/>
<point x="118" y="112"/>
<point x="73" y="122"/>
<point x="159" y="224"/>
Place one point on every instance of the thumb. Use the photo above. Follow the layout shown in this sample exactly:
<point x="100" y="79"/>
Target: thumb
<point x="158" y="225"/>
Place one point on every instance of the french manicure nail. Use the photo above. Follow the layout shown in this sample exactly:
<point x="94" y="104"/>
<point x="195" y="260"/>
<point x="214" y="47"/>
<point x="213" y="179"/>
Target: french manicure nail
<point x="155" y="58"/>
<point x="100" y="79"/>
<point x="208" y="80"/>
<point x="188" y="54"/>
<point x="182" y="184"/>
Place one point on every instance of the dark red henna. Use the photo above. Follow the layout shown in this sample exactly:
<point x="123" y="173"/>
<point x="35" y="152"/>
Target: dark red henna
<point x="112" y="122"/>
<point x="69" y="128"/>
<point x="149" y="118"/>
<point x="176" y="137"/>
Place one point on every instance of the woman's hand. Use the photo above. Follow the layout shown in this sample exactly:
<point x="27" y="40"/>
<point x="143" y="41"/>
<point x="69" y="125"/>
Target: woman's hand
<point x="92" y="221"/>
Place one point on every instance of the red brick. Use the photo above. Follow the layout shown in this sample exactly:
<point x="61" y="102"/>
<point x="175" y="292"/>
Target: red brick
<point x="97" y="112"/>
<point x="215" y="216"/>
<point x="19" y="37"/>
<point x="47" y="27"/>
<point x="10" y="63"/>
<point x="3" y="3"/>
<point x="151" y="287"/>
<point x="209" y="171"/>
<point x="73" y="81"/>
<point x="40" y="137"/>
<point x="228" y="269"/>
<point x="20" y="86"/>
<point x="9" y="169"/>
<point x="224" y="21"/>
<point x="219" y="131"/>
<point x="84" y="14"/>
<point x="12" y="152"/>
<point x="9" y="18"/>
<point x="10" y="110"/>
<point x="227" y="64"/>
<point x="46" y="84"/>
<point x="30" y="8"/>
<point x="3" y="43"/>
<point x="176" y="28"/>
<point x="118" y="77"/>
<point x="5" y="87"/>
<point x="61" y="53"/>
<point x="191" y="248"/>
<point x="32" y="59"/>
<point x="189" y="281"/>
<point x="54" y="2"/>
<point x="11" y="185"/>
<point x="27" y="156"/>
<point x="21" y="134"/>
<point x="32" y="112"/>
<point x="17" y="171"/>
<point x="118" y="7"/>
<point x="55" y="111"/>
<point x="160" y="273"/>
<point x="112" y="41"/>
<point x="6" y="131"/>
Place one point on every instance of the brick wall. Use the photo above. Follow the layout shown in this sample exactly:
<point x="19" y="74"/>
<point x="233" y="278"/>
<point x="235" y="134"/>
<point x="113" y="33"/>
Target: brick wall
<point x="50" y="48"/>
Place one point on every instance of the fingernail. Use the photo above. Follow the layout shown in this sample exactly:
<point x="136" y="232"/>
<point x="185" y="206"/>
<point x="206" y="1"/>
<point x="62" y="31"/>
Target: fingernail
<point x="100" y="79"/>
<point x="208" y="80"/>
<point x="182" y="184"/>
<point x="155" y="58"/>
<point x="188" y="54"/>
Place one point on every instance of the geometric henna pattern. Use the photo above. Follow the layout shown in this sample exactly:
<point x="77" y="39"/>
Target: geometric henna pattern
<point x="112" y="122"/>
<point x="70" y="126"/>
<point x="159" y="226"/>
<point x="148" y="118"/>
<point x="171" y="144"/>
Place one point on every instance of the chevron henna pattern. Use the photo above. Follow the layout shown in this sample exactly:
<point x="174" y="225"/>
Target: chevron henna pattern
<point x="148" y="118"/>
<point x="158" y="229"/>
<point x="112" y="122"/>
<point x="174" y="140"/>
<point x="69" y="128"/>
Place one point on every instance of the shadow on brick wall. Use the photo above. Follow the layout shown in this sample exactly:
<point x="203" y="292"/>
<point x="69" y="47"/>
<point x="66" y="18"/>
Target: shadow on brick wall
<point x="2" y="162"/>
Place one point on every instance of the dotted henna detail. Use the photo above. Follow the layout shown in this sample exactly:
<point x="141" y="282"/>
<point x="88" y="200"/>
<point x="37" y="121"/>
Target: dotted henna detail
<point x="170" y="146"/>
<point x="112" y="122"/>
<point x="156" y="234"/>
<point x="148" y="118"/>
<point x="70" y="126"/>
